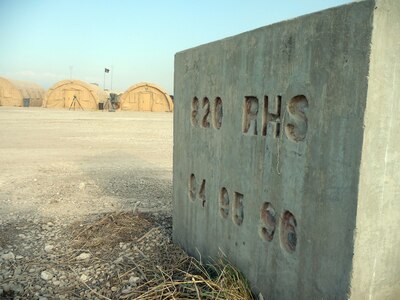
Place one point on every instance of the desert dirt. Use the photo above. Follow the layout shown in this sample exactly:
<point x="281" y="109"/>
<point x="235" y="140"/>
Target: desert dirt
<point x="71" y="163"/>
<point x="85" y="202"/>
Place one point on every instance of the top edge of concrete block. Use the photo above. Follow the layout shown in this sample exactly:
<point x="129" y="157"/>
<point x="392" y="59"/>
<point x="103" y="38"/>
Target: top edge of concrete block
<point x="299" y="18"/>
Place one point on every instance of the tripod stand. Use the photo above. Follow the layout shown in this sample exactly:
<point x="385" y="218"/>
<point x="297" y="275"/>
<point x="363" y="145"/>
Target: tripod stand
<point x="74" y="101"/>
<point x="109" y="105"/>
<point x="111" y="102"/>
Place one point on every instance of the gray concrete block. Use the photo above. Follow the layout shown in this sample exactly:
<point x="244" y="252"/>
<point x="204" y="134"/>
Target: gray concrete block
<point x="286" y="153"/>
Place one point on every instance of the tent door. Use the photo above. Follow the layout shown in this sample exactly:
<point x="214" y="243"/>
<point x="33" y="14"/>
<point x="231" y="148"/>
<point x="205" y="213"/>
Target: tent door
<point x="145" y="101"/>
<point x="133" y="104"/>
<point x="69" y="96"/>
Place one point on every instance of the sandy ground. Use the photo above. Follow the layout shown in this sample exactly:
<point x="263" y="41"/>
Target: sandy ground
<point x="72" y="163"/>
<point x="77" y="184"/>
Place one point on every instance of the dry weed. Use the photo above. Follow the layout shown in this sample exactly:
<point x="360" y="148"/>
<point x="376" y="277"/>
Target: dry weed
<point x="166" y="271"/>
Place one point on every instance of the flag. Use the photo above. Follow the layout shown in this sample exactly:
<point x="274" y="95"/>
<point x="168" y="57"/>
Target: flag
<point x="106" y="70"/>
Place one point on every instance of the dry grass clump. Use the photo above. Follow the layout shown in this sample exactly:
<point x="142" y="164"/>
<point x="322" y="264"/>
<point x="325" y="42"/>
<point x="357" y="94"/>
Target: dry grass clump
<point x="108" y="231"/>
<point x="192" y="280"/>
<point x="165" y="271"/>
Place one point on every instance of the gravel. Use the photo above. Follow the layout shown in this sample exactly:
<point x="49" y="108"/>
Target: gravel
<point x="62" y="172"/>
<point x="52" y="265"/>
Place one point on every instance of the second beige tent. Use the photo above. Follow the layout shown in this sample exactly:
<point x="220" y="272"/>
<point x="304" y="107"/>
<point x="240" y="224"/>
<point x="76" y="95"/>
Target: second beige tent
<point x="61" y="95"/>
<point x="146" y="97"/>
<point x="13" y="93"/>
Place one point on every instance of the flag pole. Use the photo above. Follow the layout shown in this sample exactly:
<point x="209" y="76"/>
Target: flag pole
<point x="112" y="74"/>
<point x="104" y="82"/>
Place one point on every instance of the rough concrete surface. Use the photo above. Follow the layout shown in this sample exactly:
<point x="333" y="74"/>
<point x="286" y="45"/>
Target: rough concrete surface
<point x="286" y="153"/>
<point x="376" y="273"/>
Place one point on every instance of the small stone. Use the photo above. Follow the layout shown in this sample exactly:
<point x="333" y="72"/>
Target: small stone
<point x="83" y="256"/>
<point x="42" y="298"/>
<point x="119" y="260"/>
<point x="6" y="288"/>
<point x="84" y="277"/>
<point x="48" y="248"/>
<point x="134" y="279"/>
<point x="114" y="289"/>
<point x="17" y="271"/>
<point x="46" y="275"/>
<point x="126" y="291"/>
<point x="17" y="288"/>
<point x="19" y="257"/>
<point x="56" y="282"/>
<point x="8" y="256"/>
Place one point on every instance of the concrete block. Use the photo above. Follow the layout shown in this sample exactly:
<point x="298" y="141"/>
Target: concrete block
<point x="286" y="153"/>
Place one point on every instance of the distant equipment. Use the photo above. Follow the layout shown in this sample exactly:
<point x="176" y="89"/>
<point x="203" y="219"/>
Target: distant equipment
<point x="74" y="102"/>
<point x="27" y="102"/>
<point x="114" y="98"/>
<point x="112" y="102"/>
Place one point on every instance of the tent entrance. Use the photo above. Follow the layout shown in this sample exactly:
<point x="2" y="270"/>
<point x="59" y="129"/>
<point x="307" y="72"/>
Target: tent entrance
<point x="145" y="101"/>
<point x="69" y="96"/>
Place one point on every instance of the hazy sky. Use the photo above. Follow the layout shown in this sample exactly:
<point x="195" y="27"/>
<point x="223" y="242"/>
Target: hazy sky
<point x="43" y="40"/>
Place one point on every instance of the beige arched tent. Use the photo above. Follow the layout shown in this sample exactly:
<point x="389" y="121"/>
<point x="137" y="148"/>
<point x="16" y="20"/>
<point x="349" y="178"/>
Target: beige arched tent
<point x="146" y="97"/>
<point x="12" y="93"/>
<point x="61" y="95"/>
